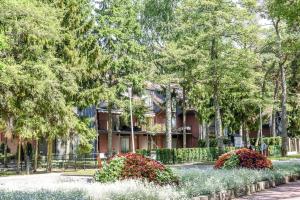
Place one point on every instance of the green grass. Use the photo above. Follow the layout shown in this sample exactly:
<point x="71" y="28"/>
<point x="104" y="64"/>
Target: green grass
<point x="87" y="172"/>
<point x="289" y="157"/>
<point x="7" y="173"/>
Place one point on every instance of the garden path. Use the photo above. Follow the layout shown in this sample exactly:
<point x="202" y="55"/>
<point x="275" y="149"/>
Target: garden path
<point x="290" y="191"/>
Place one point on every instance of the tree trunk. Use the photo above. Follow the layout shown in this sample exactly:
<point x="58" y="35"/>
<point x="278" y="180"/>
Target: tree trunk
<point x="19" y="155"/>
<point x="274" y="110"/>
<point x="168" y="142"/>
<point x="49" y="154"/>
<point x="218" y="120"/>
<point x="27" y="158"/>
<point x="218" y="125"/>
<point x="257" y="138"/>
<point x="184" y="118"/>
<point x="5" y="151"/>
<point x="283" y="113"/>
<point x="242" y="135"/>
<point x="247" y="137"/>
<point x="9" y="127"/>
<point x="283" y="58"/>
<point x="67" y="157"/>
<point x="36" y="155"/>
<point x="203" y="131"/>
<point x="109" y="131"/>
<point x="206" y="134"/>
<point x="241" y="130"/>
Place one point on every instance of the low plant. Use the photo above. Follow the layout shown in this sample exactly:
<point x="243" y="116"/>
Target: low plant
<point x="243" y="158"/>
<point x="111" y="171"/>
<point x="232" y="162"/>
<point x="135" y="166"/>
<point x="43" y="194"/>
<point x="196" y="182"/>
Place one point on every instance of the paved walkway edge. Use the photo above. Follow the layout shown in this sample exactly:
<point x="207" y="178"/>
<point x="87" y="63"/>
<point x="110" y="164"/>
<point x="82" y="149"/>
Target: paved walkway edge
<point x="247" y="190"/>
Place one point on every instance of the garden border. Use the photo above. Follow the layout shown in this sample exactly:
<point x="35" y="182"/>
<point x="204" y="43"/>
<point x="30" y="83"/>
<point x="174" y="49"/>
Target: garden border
<point x="247" y="190"/>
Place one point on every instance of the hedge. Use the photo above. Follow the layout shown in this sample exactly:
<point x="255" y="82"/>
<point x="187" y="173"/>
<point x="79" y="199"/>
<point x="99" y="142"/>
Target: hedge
<point x="182" y="155"/>
<point x="270" y="141"/>
<point x="185" y="155"/>
<point x="144" y="152"/>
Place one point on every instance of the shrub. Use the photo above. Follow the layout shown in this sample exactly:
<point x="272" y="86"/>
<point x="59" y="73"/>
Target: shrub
<point x="111" y="171"/>
<point x="144" y="152"/>
<point x="213" y="142"/>
<point x="232" y="162"/>
<point x="267" y="140"/>
<point x="244" y="158"/>
<point x="135" y="166"/>
<point x="180" y="155"/>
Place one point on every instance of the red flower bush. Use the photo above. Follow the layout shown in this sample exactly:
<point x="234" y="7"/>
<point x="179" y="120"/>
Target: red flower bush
<point x="247" y="159"/>
<point x="222" y="159"/>
<point x="138" y="166"/>
<point x="135" y="166"/>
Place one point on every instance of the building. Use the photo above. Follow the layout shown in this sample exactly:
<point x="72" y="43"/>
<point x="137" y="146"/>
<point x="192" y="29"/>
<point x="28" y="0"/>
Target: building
<point x="148" y="136"/>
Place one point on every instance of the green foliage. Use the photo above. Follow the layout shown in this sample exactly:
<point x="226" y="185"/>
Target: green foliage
<point x="111" y="171"/>
<point x="3" y="43"/>
<point x="232" y="162"/>
<point x="166" y="176"/>
<point x="143" y="152"/>
<point x="274" y="150"/>
<point x="172" y="156"/>
<point x="135" y="166"/>
<point x="86" y="135"/>
<point x="270" y="141"/>
<point x="213" y="142"/>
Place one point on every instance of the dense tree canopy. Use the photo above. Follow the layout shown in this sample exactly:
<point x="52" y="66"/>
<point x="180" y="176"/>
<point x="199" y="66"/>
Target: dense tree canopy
<point x="230" y="59"/>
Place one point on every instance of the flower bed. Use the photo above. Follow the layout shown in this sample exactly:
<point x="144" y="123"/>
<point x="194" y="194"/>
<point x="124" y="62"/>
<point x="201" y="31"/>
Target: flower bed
<point x="243" y="158"/>
<point x="135" y="166"/>
<point x="196" y="182"/>
<point x="192" y="183"/>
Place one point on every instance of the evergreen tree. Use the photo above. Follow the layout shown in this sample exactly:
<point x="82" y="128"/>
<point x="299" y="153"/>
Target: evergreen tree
<point x="118" y="33"/>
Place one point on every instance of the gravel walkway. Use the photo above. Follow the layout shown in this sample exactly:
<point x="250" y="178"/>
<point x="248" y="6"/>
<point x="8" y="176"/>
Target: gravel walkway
<point x="290" y="191"/>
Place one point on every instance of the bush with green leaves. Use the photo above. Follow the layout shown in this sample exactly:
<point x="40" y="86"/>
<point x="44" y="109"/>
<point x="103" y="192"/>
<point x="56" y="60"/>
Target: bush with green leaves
<point x="135" y="166"/>
<point x="111" y="171"/>
<point x="270" y="141"/>
<point x="166" y="176"/>
<point x="144" y="152"/>
<point x="182" y="155"/>
<point x="213" y="142"/>
<point x="232" y="162"/>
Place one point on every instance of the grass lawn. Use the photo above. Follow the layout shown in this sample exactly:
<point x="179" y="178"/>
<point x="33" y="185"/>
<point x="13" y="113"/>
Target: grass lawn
<point x="289" y="157"/>
<point x="86" y="172"/>
<point x="7" y="173"/>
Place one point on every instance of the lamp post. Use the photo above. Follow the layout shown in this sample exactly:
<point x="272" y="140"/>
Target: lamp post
<point x="131" y="119"/>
